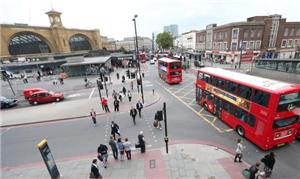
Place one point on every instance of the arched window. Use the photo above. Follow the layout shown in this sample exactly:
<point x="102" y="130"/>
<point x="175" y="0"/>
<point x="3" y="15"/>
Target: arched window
<point x="79" y="42"/>
<point x="27" y="43"/>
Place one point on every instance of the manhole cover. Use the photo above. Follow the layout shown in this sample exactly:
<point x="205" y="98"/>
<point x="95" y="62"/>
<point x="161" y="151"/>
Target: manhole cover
<point x="152" y="163"/>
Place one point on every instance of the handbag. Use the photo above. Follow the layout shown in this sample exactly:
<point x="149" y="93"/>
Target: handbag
<point x="100" y="157"/>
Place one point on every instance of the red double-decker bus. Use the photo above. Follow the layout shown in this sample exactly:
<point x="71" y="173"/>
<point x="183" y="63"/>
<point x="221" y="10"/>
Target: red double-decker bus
<point x="142" y="57"/>
<point x="170" y="70"/>
<point x="260" y="109"/>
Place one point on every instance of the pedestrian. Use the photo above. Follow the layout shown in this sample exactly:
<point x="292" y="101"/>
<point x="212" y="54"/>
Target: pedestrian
<point x="141" y="142"/>
<point x="93" y="115"/>
<point x="269" y="161"/>
<point x="118" y="76"/>
<point x="114" y="129"/>
<point x="133" y="114"/>
<point x="153" y="92"/>
<point x="123" y="79"/>
<point x="105" y="104"/>
<point x="121" y="149"/>
<point x="127" y="146"/>
<point x="239" y="151"/>
<point x="253" y="170"/>
<point x="116" y="105"/>
<point x="39" y="73"/>
<point x="95" y="170"/>
<point x="124" y="90"/>
<point x="102" y="154"/>
<point x="131" y="85"/>
<point x="129" y="95"/>
<point x="120" y="96"/>
<point x="139" y="107"/>
<point x="114" y="94"/>
<point x="114" y="147"/>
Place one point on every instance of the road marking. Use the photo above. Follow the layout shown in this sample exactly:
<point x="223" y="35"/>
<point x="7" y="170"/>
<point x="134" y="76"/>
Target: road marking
<point x="74" y="95"/>
<point x="191" y="101"/>
<point x="229" y="130"/>
<point x="198" y="113"/>
<point x="201" y="110"/>
<point x="189" y="92"/>
<point x="90" y="97"/>
<point x="214" y="120"/>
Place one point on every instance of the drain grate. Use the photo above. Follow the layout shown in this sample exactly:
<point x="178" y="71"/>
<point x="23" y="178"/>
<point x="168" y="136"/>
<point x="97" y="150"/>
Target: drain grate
<point x="152" y="164"/>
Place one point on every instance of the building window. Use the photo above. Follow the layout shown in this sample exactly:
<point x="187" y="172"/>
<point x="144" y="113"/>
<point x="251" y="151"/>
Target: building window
<point x="259" y="33"/>
<point x="245" y="43"/>
<point x="235" y="33"/>
<point x="295" y="43"/>
<point x="252" y="32"/>
<point x="246" y="34"/>
<point x="233" y="46"/>
<point x="283" y="43"/>
<point x="257" y="44"/>
<point x="290" y="43"/>
<point x="225" y="45"/>
<point x="298" y="33"/>
<point x="251" y="44"/>
<point x="286" y="32"/>
<point x="225" y="34"/>
<point x="292" y="32"/>
<point x="215" y="36"/>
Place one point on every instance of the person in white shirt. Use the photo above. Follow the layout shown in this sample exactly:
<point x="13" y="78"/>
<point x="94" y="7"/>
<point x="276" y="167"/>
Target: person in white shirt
<point x="239" y="150"/>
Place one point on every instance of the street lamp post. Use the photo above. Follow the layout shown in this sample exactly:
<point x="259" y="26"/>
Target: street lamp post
<point x="137" y="51"/>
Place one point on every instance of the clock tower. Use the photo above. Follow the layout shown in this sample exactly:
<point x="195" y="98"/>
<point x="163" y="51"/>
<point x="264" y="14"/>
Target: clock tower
<point x="54" y="17"/>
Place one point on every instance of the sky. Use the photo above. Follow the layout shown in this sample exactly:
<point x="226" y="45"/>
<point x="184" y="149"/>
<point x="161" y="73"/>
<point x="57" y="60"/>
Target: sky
<point x="114" y="17"/>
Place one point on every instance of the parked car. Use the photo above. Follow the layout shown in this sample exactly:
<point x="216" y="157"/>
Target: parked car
<point x="45" y="97"/>
<point x="7" y="103"/>
<point x="29" y="91"/>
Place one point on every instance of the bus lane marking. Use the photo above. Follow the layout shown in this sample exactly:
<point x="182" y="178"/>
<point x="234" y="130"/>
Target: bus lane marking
<point x="190" y="103"/>
<point x="189" y="92"/>
<point x="90" y="97"/>
<point x="197" y="113"/>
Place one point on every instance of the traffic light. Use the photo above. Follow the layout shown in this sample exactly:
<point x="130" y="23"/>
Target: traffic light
<point x="159" y="115"/>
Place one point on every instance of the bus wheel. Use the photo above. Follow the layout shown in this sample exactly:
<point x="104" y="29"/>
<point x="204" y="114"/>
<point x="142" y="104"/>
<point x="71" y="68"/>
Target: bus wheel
<point x="240" y="130"/>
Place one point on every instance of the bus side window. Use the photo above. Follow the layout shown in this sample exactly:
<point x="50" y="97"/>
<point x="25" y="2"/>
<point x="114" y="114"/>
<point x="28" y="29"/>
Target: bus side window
<point x="244" y="92"/>
<point x="230" y="87"/>
<point x="228" y="107"/>
<point x="220" y="83"/>
<point x="205" y="95"/>
<point x="207" y="78"/>
<point x="251" y="120"/>
<point x="241" y="114"/>
<point x="213" y="81"/>
<point x="261" y="98"/>
<point x="200" y="76"/>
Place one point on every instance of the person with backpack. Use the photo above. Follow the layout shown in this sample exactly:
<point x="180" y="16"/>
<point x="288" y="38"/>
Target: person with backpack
<point x="133" y="114"/>
<point x="139" y="107"/>
<point x="269" y="161"/>
<point x="253" y="170"/>
<point x="121" y="149"/>
<point x="102" y="154"/>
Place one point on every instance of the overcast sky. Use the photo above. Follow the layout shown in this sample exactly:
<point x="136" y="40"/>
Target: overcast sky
<point x="114" y="17"/>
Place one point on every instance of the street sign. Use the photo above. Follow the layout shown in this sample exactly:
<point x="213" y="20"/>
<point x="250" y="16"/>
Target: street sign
<point x="48" y="159"/>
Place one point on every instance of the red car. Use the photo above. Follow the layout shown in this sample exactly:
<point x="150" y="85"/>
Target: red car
<point x="45" y="97"/>
<point x="29" y="91"/>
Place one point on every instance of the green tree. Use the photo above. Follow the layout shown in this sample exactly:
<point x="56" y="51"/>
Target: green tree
<point x="122" y="49"/>
<point x="164" y="40"/>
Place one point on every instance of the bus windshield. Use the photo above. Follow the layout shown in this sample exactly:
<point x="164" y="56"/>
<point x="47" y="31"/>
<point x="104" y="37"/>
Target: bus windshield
<point x="175" y="65"/>
<point x="285" y="122"/>
<point x="289" y="102"/>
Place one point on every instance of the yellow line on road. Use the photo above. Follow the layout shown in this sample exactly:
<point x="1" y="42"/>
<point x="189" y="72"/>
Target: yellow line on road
<point x="204" y="118"/>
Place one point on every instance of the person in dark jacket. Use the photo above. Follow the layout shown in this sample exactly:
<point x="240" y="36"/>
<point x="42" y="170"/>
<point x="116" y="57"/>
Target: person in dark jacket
<point x="103" y="154"/>
<point x="269" y="161"/>
<point x="133" y="113"/>
<point x="95" y="170"/>
<point x="253" y="170"/>
<point x="124" y="90"/>
<point x="114" y="147"/>
<point x="116" y="105"/>
<point x="114" y="129"/>
<point x="142" y="143"/>
<point x="139" y="107"/>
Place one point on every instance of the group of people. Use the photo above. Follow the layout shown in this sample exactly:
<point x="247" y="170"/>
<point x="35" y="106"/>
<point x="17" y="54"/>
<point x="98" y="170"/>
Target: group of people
<point x="119" y="150"/>
<point x="268" y="161"/>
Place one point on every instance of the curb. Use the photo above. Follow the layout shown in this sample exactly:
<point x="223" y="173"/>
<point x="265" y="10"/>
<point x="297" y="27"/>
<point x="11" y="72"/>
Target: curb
<point x="68" y="118"/>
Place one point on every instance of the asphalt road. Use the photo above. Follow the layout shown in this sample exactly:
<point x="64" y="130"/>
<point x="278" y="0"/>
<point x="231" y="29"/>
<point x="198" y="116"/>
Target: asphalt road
<point x="185" y="122"/>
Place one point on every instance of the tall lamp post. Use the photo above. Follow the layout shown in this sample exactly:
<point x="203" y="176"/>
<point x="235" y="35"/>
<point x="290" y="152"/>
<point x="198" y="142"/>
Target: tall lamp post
<point x="137" y="51"/>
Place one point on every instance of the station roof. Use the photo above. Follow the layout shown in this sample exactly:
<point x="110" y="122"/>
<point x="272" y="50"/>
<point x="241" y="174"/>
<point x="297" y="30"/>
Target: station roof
<point x="86" y="60"/>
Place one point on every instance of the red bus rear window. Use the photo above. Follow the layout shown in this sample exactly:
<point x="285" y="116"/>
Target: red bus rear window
<point x="285" y="122"/>
<point x="288" y="102"/>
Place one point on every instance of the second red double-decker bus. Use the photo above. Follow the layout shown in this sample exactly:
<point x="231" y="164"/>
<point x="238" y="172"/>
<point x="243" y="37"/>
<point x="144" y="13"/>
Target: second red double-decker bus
<point x="262" y="110"/>
<point x="170" y="70"/>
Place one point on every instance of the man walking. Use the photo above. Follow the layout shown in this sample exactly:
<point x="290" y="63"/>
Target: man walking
<point x="105" y="104"/>
<point x="95" y="170"/>
<point x="93" y="115"/>
<point x="139" y="107"/>
<point x="116" y="105"/>
<point x="114" y="148"/>
<point x="129" y="95"/>
<point x="269" y="161"/>
<point x="124" y="90"/>
<point x="239" y="151"/>
<point x="133" y="114"/>
<point x="115" y="129"/>
<point x="102" y="154"/>
<point x="142" y="143"/>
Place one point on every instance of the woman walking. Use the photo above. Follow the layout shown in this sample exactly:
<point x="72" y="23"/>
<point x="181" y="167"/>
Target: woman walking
<point x="121" y="149"/>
